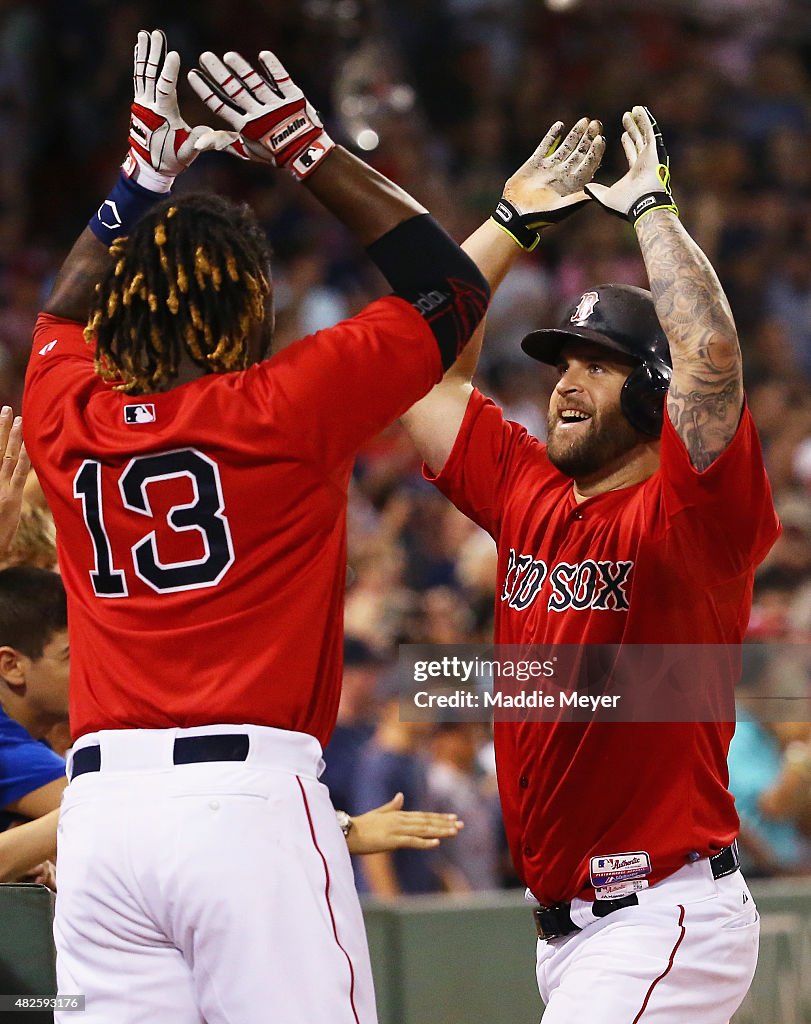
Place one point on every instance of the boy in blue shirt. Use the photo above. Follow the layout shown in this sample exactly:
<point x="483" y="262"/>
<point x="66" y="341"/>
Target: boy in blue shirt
<point x="34" y="665"/>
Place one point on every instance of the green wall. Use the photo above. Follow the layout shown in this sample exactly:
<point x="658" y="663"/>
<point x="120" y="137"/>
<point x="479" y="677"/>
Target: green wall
<point x="471" y="960"/>
<point x="443" y="960"/>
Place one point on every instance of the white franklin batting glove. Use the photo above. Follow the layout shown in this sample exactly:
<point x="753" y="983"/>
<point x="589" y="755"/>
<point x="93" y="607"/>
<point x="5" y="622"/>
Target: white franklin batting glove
<point x="161" y="143"/>
<point x="549" y="186"/>
<point x="646" y="185"/>
<point x="271" y="115"/>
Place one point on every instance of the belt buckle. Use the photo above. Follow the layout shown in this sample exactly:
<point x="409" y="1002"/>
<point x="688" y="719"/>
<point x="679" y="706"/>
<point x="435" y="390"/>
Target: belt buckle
<point x="553" y="922"/>
<point x="726" y="861"/>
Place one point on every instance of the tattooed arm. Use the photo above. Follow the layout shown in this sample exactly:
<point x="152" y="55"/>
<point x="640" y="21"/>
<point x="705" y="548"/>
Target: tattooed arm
<point x="706" y="393"/>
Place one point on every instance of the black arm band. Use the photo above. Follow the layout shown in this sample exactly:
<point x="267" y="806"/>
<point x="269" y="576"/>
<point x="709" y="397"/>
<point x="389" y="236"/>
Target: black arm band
<point x="427" y="268"/>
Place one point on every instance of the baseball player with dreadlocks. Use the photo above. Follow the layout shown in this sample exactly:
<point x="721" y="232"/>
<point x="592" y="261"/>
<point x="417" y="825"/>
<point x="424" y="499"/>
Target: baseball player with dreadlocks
<point x="199" y="492"/>
<point x="628" y="527"/>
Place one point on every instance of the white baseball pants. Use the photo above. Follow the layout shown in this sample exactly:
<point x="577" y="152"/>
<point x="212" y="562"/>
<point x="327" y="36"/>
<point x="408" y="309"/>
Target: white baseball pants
<point x="686" y="953"/>
<point x="213" y="893"/>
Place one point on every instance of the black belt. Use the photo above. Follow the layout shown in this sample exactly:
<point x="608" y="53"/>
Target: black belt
<point x="553" y="922"/>
<point x="187" y="750"/>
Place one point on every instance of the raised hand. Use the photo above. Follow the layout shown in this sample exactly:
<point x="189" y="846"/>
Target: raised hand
<point x="161" y="143"/>
<point x="273" y="119"/>
<point x="646" y="185"/>
<point x="549" y="186"/>
<point x="13" y="473"/>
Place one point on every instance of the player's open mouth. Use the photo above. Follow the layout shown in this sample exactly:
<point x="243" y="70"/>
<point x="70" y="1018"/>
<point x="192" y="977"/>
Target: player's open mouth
<point x="572" y="417"/>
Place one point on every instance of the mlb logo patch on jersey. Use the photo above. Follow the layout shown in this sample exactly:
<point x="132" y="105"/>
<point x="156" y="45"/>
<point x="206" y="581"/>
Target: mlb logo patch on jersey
<point x="618" y="867"/>
<point x="141" y="413"/>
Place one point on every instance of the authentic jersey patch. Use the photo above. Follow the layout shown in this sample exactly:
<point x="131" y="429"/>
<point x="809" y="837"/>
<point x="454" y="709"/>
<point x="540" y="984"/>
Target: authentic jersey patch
<point x="619" y="889"/>
<point x="141" y="413"/>
<point x="618" y="867"/>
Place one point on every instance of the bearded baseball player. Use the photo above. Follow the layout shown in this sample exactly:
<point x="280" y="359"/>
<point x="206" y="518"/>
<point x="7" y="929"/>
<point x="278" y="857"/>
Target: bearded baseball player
<point x="640" y="522"/>
<point x="199" y="490"/>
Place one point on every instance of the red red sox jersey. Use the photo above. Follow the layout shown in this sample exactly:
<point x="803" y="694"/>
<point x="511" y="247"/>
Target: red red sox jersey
<point x="669" y="560"/>
<point x="201" y="531"/>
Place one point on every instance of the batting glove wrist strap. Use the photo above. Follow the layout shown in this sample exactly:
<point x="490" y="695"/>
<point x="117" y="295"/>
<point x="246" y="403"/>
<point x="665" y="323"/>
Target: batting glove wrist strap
<point x="648" y="203"/>
<point x="122" y="209"/>
<point x="510" y="219"/>
<point x="144" y="124"/>
<point x="310" y="156"/>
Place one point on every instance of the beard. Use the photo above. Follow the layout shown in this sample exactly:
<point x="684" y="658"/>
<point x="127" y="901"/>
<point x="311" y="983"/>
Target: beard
<point x="603" y="441"/>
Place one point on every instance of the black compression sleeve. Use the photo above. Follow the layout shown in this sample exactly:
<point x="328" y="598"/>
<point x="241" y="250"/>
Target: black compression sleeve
<point x="427" y="268"/>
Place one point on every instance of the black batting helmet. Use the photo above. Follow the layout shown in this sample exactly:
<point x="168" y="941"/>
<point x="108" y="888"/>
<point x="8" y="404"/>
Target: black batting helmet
<point x="623" y="318"/>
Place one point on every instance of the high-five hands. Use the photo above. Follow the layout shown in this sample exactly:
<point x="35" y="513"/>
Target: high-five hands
<point x="273" y="119"/>
<point x="549" y="186"/>
<point x="646" y="185"/>
<point x="161" y="143"/>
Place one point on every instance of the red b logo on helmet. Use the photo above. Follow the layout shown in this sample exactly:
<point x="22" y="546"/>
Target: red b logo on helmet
<point x="585" y="308"/>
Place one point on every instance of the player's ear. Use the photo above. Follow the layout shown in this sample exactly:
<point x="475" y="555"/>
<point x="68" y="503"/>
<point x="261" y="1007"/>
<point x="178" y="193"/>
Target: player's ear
<point x="12" y="668"/>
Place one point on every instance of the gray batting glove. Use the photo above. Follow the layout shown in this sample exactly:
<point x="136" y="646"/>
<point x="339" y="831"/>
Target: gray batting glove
<point x="549" y="186"/>
<point x="646" y="186"/>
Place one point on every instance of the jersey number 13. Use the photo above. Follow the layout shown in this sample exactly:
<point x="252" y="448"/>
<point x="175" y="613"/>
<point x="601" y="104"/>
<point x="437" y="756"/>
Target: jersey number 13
<point x="204" y="514"/>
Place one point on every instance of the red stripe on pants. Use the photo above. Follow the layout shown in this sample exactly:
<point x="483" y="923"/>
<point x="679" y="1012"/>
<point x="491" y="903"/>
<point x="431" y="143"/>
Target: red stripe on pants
<point x="329" y="905"/>
<point x="666" y="971"/>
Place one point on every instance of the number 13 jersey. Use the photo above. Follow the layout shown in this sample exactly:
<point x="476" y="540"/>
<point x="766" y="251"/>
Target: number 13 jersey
<point x="201" y="530"/>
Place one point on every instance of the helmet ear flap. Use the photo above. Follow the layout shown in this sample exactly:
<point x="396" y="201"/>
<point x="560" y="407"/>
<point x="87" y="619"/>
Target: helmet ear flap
<point x="642" y="398"/>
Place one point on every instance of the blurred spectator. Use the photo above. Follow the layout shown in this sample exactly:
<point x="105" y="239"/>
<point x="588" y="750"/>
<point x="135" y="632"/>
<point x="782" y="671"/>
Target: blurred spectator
<point x="34" y="666"/>
<point x="471" y="861"/>
<point x="392" y="762"/>
<point x="355" y="724"/>
<point x="771" y="603"/>
<point x="766" y="784"/>
<point x="35" y="540"/>
<point x="788" y="301"/>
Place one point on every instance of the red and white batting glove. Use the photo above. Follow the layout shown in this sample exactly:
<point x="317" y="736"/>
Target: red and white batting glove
<point x="271" y="115"/>
<point x="161" y="143"/>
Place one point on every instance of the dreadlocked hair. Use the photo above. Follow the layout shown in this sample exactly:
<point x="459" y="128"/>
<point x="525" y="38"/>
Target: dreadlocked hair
<point x="193" y="277"/>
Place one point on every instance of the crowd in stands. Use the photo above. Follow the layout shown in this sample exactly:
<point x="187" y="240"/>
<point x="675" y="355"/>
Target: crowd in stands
<point x="448" y="98"/>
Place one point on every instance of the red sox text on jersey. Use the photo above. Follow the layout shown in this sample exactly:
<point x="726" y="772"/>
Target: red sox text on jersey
<point x="598" y="584"/>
